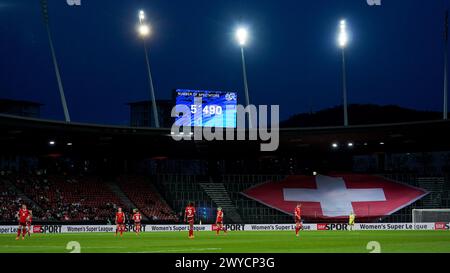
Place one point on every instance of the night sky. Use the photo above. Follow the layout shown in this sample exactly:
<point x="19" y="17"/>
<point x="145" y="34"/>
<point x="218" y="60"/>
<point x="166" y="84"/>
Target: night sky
<point x="395" y="54"/>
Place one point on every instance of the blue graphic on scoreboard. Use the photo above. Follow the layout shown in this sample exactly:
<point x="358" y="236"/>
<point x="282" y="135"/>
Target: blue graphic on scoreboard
<point x="217" y="108"/>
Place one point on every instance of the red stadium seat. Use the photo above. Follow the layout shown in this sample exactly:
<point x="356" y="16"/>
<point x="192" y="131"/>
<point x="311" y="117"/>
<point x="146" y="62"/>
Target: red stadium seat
<point x="146" y="198"/>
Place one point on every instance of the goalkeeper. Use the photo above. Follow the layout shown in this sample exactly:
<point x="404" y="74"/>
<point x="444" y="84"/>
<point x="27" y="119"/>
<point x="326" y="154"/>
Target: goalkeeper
<point x="351" y="220"/>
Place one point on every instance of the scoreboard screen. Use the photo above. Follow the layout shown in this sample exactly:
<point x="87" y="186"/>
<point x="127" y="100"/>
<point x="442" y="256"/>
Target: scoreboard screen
<point x="212" y="109"/>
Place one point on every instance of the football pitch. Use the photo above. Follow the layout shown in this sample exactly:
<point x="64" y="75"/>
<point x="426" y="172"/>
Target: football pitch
<point x="234" y="242"/>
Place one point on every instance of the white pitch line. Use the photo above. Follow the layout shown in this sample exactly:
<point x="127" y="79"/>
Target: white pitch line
<point x="176" y="250"/>
<point x="63" y="247"/>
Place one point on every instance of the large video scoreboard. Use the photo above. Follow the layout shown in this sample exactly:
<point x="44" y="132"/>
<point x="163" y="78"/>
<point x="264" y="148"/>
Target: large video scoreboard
<point x="216" y="108"/>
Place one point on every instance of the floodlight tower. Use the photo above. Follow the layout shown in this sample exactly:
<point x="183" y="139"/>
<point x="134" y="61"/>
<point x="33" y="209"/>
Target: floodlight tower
<point x="342" y="42"/>
<point x="242" y="38"/>
<point x="445" y="110"/>
<point x="144" y="32"/>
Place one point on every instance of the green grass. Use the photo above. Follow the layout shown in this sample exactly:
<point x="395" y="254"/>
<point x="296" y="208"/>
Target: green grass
<point x="235" y="242"/>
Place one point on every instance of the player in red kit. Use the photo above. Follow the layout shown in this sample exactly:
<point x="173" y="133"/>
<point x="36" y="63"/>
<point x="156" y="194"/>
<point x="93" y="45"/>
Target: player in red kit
<point x="29" y="222"/>
<point x="120" y="221"/>
<point x="22" y="216"/>
<point x="298" y="218"/>
<point x="137" y="217"/>
<point x="189" y="216"/>
<point x="219" y="221"/>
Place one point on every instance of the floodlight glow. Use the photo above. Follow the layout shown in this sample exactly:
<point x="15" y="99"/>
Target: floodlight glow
<point x="334" y="145"/>
<point x="141" y="15"/>
<point x="144" y="30"/>
<point x="343" y="36"/>
<point x="51" y="142"/>
<point x="350" y="144"/>
<point x="242" y="36"/>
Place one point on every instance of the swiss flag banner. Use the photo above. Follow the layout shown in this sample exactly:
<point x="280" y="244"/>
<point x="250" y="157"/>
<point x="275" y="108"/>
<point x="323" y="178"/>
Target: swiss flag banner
<point x="335" y="197"/>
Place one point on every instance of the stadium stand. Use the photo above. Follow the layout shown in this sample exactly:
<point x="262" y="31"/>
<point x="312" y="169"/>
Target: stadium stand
<point x="436" y="187"/>
<point x="89" y="199"/>
<point x="446" y="196"/>
<point x="79" y="199"/>
<point x="9" y="202"/>
<point x="182" y="188"/>
<point x="250" y="210"/>
<point x="219" y="195"/>
<point x="179" y="190"/>
<point x="438" y="197"/>
<point x="70" y="198"/>
<point x="142" y="193"/>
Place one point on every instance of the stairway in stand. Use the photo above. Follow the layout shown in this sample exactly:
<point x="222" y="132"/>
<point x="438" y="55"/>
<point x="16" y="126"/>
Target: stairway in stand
<point x="220" y="196"/>
<point x="123" y="197"/>
<point x="20" y="194"/>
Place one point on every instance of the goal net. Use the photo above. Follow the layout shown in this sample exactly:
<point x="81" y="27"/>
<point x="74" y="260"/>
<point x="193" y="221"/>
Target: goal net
<point x="430" y="215"/>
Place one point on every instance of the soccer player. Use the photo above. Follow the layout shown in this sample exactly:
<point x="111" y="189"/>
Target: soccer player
<point x="120" y="221"/>
<point x="351" y="220"/>
<point x="219" y="221"/>
<point x="298" y="218"/>
<point x="22" y="216"/>
<point x="137" y="217"/>
<point x="30" y="222"/>
<point x="189" y="216"/>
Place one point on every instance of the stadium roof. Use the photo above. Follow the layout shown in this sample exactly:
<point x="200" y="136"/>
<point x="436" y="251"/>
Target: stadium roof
<point x="21" y="102"/>
<point x="33" y="136"/>
<point x="148" y="102"/>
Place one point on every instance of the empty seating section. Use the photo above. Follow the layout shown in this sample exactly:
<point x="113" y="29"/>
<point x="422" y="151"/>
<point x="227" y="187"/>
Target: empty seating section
<point x="446" y="195"/>
<point x="410" y="179"/>
<point x="143" y="194"/>
<point x="179" y="190"/>
<point x="435" y="185"/>
<point x="438" y="186"/>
